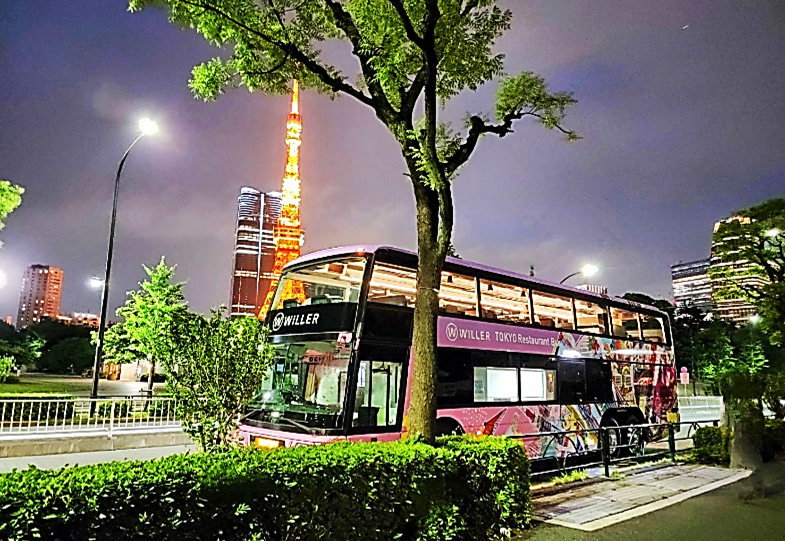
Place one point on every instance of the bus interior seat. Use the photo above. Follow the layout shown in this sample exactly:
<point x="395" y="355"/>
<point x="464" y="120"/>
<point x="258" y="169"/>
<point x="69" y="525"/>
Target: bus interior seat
<point x="398" y="300"/>
<point x="290" y="303"/>
<point x="320" y="299"/>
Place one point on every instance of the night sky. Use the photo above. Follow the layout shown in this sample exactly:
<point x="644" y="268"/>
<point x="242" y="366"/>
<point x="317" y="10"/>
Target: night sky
<point x="681" y="126"/>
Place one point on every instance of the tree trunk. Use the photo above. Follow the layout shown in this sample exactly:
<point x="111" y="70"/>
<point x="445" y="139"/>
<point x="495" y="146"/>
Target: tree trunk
<point x="747" y="425"/>
<point x="422" y="408"/>
<point x="151" y="377"/>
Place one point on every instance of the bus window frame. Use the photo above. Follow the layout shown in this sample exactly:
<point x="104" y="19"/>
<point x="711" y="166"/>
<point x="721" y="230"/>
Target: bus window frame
<point x="409" y="261"/>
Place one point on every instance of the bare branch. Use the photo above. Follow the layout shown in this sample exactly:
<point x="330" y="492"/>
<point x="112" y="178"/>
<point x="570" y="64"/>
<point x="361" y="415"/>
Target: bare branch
<point x="478" y="127"/>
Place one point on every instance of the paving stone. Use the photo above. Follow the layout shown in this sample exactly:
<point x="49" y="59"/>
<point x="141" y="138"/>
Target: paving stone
<point x="681" y="483"/>
<point x="596" y="512"/>
<point x="714" y="474"/>
<point x="638" y="492"/>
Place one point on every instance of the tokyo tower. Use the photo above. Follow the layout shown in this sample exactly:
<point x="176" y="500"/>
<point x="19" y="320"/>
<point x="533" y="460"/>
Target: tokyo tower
<point x="288" y="232"/>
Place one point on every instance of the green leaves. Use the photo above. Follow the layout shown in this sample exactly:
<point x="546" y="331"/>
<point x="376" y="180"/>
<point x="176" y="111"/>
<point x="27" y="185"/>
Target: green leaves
<point x="218" y="367"/>
<point x="463" y="489"/>
<point x="527" y="94"/>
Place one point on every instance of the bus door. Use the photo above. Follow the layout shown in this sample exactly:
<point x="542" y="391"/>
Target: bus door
<point x="380" y="388"/>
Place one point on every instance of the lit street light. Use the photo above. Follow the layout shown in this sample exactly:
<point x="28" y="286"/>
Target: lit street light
<point x="95" y="282"/>
<point x="755" y="319"/>
<point x="146" y="127"/>
<point x="588" y="270"/>
<point x="772" y="232"/>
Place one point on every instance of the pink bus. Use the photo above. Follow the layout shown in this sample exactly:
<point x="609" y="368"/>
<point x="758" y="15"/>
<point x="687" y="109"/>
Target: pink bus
<point x="516" y="355"/>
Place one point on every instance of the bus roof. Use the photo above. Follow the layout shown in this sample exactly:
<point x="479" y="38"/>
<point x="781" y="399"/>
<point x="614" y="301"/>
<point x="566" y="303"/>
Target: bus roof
<point x="363" y="249"/>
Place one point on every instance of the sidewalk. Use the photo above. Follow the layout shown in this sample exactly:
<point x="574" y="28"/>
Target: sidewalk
<point x="48" y="462"/>
<point x="599" y="505"/>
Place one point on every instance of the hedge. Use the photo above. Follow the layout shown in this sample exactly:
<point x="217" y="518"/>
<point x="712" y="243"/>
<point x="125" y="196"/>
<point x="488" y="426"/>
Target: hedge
<point x="460" y="489"/>
<point x="712" y="445"/>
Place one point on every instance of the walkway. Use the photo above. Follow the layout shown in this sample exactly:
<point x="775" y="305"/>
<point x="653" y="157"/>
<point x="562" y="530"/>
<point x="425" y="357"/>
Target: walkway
<point x="599" y="505"/>
<point x="49" y="462"/>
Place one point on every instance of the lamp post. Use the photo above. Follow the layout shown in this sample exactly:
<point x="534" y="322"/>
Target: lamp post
<point x="587" y="270"/>
<point x="146" y="127"/>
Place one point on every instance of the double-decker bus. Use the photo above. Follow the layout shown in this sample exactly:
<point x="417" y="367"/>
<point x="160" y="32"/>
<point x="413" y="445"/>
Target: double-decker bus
<point x="516" y="355"/>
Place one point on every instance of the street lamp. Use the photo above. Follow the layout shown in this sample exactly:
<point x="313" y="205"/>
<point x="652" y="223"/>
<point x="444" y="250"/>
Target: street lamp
<point x="755" y="319"/>
<point x="95" y="282"/>
<point x="146" y="127"/>
<point x="772" y="232"/>
<point x="588" y="270"/>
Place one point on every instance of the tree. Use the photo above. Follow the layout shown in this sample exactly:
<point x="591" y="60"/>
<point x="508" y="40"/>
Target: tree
<point x="69" y="356"/>
<point x="409" y="52"/>
<point x="147" y="315"/>
<point x="24" y="351"/>
<point x="215" y="367"/>
<point x="755" y="238"/>
<point x="10" y="198"/>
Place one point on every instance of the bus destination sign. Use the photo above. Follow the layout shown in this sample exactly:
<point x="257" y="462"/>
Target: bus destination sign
<point x="331" y="317"/>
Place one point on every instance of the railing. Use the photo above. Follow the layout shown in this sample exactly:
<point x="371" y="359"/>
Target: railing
<point x="59" y="417"/>
<point x="579" y="449"/>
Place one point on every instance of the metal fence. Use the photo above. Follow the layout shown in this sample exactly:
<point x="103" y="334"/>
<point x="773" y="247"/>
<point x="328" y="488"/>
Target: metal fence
<point x="60" y="417"/>
<point x="580" y="449"/>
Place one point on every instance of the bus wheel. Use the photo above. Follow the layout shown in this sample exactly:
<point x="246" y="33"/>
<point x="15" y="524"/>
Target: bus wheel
<point x="615" y="436"/>
<point x="447" y="427"/>
<point x="636" y="439"/>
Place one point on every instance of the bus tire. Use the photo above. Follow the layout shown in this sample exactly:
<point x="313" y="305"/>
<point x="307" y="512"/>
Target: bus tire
<point x="616" y="436"/>
<point x="447" y="427"/>
<point x="636" y="437"/>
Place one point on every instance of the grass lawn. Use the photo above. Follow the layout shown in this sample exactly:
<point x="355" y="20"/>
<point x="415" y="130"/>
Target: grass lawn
<point x="39" y="384"/>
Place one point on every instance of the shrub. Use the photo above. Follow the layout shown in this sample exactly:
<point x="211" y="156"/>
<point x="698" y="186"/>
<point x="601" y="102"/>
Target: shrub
<point x="495" y="471"/>
<point x="773" y="438"/>
<point x="712" y="445"/>
<point x="121" y="409"/>
<point x="341" y="491"/>
<point x="6" y="367"/>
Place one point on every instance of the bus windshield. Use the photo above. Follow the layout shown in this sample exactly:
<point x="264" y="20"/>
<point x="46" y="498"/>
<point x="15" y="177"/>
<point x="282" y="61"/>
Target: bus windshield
<point x="305" y="386"/>
<point x="321" y="283"/>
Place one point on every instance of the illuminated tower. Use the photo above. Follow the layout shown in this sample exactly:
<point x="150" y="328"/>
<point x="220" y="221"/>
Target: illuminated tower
<point x="288" y="231"/>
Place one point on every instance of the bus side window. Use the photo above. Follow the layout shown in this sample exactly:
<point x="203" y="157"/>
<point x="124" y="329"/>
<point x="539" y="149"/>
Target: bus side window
<point x="458" y="294"/>
<point x="599" y="381"/>
<point x="572" y="382"/>
<point x="454" y="377"/>
<point x="552" y="310"/>
<point x="592" y="318"/>
<point x="376" y="401"/>
<point x="505" y="302"/>
<point x="653" y="328"/>
<point x="625" y="324"/>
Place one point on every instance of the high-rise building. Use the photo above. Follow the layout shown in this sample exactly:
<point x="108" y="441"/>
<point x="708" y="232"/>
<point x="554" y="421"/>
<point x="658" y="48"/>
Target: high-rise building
<point x="80" y="318"/>
<point x="42" y="288"/>
<point x="254" y="251"/>
<point x="288" y="231"/>
<point x="739" y="271"/>
<point x="692" y="285"/>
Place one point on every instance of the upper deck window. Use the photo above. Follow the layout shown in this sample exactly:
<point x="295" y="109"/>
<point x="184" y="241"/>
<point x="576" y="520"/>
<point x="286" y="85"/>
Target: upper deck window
<point x="625" y="324"/>
<point x="505" y="302"/>
<point x="653" y="328"/>
<point x="552" y="310"/>
<point x="321" y="283"/>
<point x="458" y="294"/>
<point x="592" y="318"/>
<point x="393" y="285"/>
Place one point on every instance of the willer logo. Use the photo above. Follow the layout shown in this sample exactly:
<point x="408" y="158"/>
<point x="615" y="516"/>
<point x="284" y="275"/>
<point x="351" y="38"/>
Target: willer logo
<point x="278" y="321"/>
<point x="452" y="332"/>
